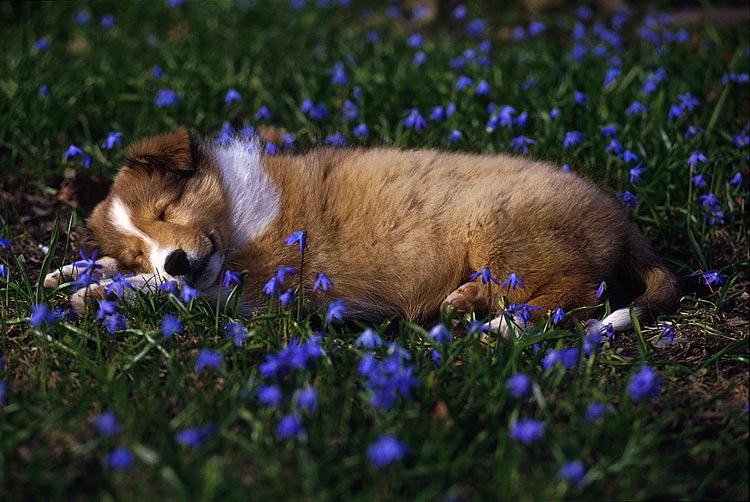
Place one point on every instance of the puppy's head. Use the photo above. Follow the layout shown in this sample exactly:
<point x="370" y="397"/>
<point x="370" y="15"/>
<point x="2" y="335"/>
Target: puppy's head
<point x="166" y="213"/>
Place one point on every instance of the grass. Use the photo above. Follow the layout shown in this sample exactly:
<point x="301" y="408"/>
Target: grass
<point x="691" y="441"/>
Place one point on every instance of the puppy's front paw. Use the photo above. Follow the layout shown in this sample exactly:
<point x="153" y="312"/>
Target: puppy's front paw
<point x="106" y="267"/>
<point x="88" y="297"/>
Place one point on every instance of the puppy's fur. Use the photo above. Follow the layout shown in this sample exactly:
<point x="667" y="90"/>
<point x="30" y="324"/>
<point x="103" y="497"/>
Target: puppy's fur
<point x="398" y="232"/>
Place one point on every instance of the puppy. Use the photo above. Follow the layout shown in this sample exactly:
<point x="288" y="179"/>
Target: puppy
<point x="399" y="233"/>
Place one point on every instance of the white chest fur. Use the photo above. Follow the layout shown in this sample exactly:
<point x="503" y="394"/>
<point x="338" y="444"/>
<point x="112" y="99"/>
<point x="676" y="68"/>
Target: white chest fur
<point x="253" y="199"/>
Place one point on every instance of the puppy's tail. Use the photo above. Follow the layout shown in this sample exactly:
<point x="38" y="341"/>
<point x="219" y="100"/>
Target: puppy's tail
<point x="645" y="271"/>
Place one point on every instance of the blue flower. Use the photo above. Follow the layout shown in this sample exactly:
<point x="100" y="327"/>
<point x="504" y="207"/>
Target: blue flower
<point x="157" y="72"/>
<point x="688" y="101"/>
<point x="286" y="298"/>
<point x="322" y="282"/>
<point x="415" y="41"/>
<point x="3" y="387"/>
<point x="290" y="427"/>
<point x="273" y="286"/>
<point x="567" y="358"/>
<point x="338" y="74"/>
<point x="535" y="28"/>
<point x="197" y="437"/>
<point x="372" y="37"/>
<point x="169" y="287"/>
<point x="578" y="52"/>
<point x="614" y="146"/>
<point x="83" y="17"/>
<point x="667" y="332"/>
<point x="232" y="95"/>
<point x="521" y="122"/>
<point x="419" y="58"/>
<point x="337" y="139"/>
<point x="300" y="236"/>
<point x="270" y="149"/>
<point x="107" y="424"/>
<point x="644" y="384"/>
<point x="106" y="307"/>
<point x="349" y="112"/>
<point x="385" y="451"/>
<point x="486" y="276"/>
<point x="120" y="459"/>
<point x="230" y="279"/>
<point x="5" y="243"/>
<point x="463" y="82"/>
<point x="206" y="359"/>
<point x="115" y="322"/>
<point x="336" y="310"/>
<point x="107" y="21"/>
<point x="742" y="139"/>
<point x="73" y="151"/>
<point x="629" y="156"/>
<point x="307" y="399"/>
<point x="628" y="199"/>
<point x="521" y="142"/>
<point x="270" y="395"/>
<point x="368" y="340"/>
<point x="696" y="157"/>
<point x="597" y="410"/>
<point x="513" y="281"/>
<point x="699" y="180"/>
<point x="113" y="138"/>
<point x="483" y="88"/>
<point x="519" y="385"/>
<point x="475" y="28"/>
<point x="558" y="315"/>
<point x="236" y="331"/>
<point x="41" y="314"/>
<point x="119" y="283"/>
<point x="573" y="471"/>
<point x="712" y="278"/>
<point x="170" y="325"/>
<point x="580" y="97"/>
<point x="709" y="199"/>
<point x="454" y="136"/>
<point x="675" y="112"/>
<point x="189" y="293"/>
<point x="611" y="76"/>
<point x="635" y="174"/>
<point x="440" y="334"/>
<point x="415" y="121"/>
<point x="518" y="33"/>
<point x="166" y="97"/>
<point x="361" y="130"/>
<point x="527" y="431"/>
<point x="262" y="113"/>
<point x="573" y="138"/>
<point x="601" y="289"/>
<point x="459" y="13"/>
<point x="636" y="107"/>
<point x="41" y="45"/>
<point x="692" y="131"/>
<point x="554" y="113"/>
<point x="737" y="180"/>
<point x="4" y="273"/>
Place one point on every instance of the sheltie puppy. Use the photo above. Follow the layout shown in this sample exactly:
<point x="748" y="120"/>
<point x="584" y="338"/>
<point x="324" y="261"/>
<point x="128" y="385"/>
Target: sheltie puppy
<point x="398" y="232"/>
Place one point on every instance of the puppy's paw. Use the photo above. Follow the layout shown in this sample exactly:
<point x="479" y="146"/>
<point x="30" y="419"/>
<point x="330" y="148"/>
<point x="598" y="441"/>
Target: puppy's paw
<point x="88" y="297"/>
<point x="466" y="298"/>
<point x="109" y="268"/>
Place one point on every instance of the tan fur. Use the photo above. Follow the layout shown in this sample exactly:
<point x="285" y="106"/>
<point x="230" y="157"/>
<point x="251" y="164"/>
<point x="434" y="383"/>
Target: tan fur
<point x="397" y="231"/>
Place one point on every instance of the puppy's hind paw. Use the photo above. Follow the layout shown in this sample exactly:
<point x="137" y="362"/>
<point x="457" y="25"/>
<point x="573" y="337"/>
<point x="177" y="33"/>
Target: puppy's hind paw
<point x="88" y="297"/>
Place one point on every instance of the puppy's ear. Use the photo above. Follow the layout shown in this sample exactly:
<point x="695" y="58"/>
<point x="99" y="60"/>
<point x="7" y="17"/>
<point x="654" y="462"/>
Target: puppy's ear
<point x="176" y="152"/>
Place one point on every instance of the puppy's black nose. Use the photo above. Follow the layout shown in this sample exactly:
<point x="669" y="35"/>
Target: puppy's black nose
<point x="177" y="263"/>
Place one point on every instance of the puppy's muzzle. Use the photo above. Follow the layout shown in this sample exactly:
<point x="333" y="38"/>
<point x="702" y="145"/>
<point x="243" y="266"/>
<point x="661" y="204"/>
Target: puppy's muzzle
<point x="177" y="263"/>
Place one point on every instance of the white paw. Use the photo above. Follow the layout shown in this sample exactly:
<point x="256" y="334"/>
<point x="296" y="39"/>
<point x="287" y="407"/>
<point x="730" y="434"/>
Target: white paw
<point x="109" y="268"/>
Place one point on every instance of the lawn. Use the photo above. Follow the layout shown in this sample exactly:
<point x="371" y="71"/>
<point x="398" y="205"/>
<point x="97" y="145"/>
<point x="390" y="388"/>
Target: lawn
<point x="171" y="397"/>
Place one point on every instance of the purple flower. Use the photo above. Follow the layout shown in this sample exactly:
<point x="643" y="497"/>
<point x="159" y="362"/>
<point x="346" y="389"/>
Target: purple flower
<point x="166" y="97"/>
<point x="298" y="237"/>
<point x="567" y="358"/>
<point x="475" y="28"/>
<point x="41" y="45"/>
<point x="419" y="58"/>
<point x="580" y="97"/>
<point x="692" y="131"/>
<point x="119" y="283"/>
<point x="667" y="332"/>
<point x="736" y="180"/>
<point x="628" y="199"/>
<point x="169" y="287"/>
<point x="573" y="471"/>
<point x="5" y="243"/>
<point x="270" y="395"/>
<point x="206" y="359"/>
<point x="440" y="334"/>
<point x="415" y="121"/>
<point x="286" y="298"/>
<point x="688" y="101"/>
<point x="170" y="325"/>
<point x="113" y="138"/>
<point x="120" y="459"/>
<point x="107" y="424"/>
<point x="236" y="331"/>
<point x="463" y="82"/>
<point x="337" y="139"/>
<point x="601" y="289"/>
<point x="644" y="384"/>
<point x="611" y="76"/>
<point x="629" y="156"/>
<point x="115" y="322"/>
<point x="4" y="273"/>
<point x="232" y="95"/>
<point x="519" y="385"/>
<point x="415" y="41"/>
<point x="459" y="13"/>
<point x="483" y="88"/>
<point x="573" y="138"/>
<point x="107" y="21"/>
<point x="558" y="315"/>
<point x="636" y="107"/>
<point x="742" y="139"/>
<point x="157" y="72"/>
<point x="336" y="310"/>
<point x="554" y="113"/>
<point x="521" y="142"/>
<point x="699" y="180"/>
<point x="106" y="307"/>
<point x="262" y="113"/>
<point x="322" y="282"/>
<point x="41" y="314"/>
<point x="597" y="410"/>
<point x="696" y="157"/>
<point x="83" y="17"/>
<point x="368" y="340"/>
<point x="307" y="399"/>
<point x="535" y="28"/>
<point x="513" y="281"/>
<point x="527" y="431"/>
<point x="197" y="437"/>
<point x="386" y="450"/>
<point x="74" y="151"/>
<point x="290" y="427"/>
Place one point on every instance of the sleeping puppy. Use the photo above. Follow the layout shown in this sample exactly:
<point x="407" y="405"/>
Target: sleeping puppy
<point x="399" y="233"/>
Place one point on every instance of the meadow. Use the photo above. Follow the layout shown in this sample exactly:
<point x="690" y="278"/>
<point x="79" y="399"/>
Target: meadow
<point x="172" y="397"/>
